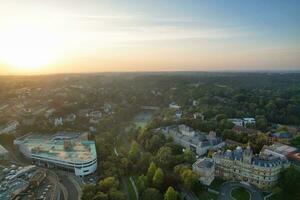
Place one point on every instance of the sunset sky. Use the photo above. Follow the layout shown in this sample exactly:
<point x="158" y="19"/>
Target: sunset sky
<point x="58" y="36"/>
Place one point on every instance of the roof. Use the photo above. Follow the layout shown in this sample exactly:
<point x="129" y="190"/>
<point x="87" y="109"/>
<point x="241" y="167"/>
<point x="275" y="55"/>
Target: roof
<point x="281" y="135"/>
<point x="249" y="118"/>
<point x="263" y="161"/>
<point x="204" y="163"/>
<point x="60" y="148"/>
<point x="282" y="148"/>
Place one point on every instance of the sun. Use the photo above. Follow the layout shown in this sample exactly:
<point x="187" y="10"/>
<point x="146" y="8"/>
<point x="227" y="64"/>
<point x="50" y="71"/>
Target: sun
<point x="27" y="48"/>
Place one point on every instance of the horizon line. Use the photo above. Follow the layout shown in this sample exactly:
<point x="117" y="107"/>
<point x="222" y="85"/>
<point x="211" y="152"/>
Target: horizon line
<point x="162" y="71"/>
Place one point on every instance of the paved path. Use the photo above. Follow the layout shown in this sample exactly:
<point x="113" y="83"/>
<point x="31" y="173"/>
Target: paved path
<point x="226" y="188"/>
<point x="134" y="187"/>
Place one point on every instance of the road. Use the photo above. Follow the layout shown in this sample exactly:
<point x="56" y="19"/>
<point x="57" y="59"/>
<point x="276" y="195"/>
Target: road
<point x="187" y="195"/>
<point x="226" y="188"/>
<point x="71" y="189"/>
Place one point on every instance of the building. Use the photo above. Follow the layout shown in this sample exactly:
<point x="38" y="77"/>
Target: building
<point x="236" y="122"/>
<point x="241" y="165"/>
<point x="205" y="168"/>
<point x="178" y="114"/>
<point x="70" y="118"/>
<point x="9" y="127"/>
<point x="243" y="122"/>
<point x="244" y="130"/>
<point x="95" y="114"/>
<point x="249" y="121"/>
<point x="62" y="151"/>
<point x="198" y="116"/>
<point x="58" y="121"/>
<point x="282" y="137"/>
<point x="3" y="152"/>
<point x="174" y="105"/>
<point x="282" y="150"/>
<point x="49" y="112"/>
<point x="196" y="141"/>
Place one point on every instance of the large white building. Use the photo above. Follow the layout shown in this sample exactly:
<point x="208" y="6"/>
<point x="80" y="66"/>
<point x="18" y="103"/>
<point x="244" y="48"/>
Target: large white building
<point x="241" y="165"/>
<point x="62" y="151"/>
<point x="196" y="141"/>
<point x="205" y="168"/>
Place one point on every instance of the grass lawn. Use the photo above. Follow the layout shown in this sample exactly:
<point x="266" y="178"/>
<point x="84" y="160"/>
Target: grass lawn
<point x="131" y="192"/>
<point x="240" y="194"/>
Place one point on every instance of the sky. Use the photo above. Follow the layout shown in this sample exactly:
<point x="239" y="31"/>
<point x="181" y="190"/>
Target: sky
<point x="74" y="36"/>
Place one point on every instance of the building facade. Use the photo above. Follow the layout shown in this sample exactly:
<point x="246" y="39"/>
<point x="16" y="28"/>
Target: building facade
<point x="241" y="165"/>
<point x="205" y="168"/>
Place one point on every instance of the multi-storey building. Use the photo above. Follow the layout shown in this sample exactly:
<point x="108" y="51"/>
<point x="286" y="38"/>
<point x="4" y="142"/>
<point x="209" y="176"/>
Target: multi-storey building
<point x="62" y="151"/>
<point x="205" y="167"/>
<point x="241" y="165"/>
<point x="196" y="141"/>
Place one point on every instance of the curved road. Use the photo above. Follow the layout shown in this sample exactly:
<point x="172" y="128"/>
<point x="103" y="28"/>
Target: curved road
<point x="72" y="191"/>
<point x="226" y="188"/>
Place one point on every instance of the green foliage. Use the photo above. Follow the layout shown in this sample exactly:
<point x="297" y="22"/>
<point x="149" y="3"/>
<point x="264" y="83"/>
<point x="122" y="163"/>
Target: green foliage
<point x="115" y="194"/>
<point x="108" y="183"/>
<point x="189" y="156"/>
<point x="188" y="178"/>
<point x="220" y="117"/>
<point x="151" y="171"/>
<point x="296" y="142"/>
<point x="290" y="184"/>
<point x="171" y="194"/>
<point x="261" y="123"/>
<point x="142" y="183"/>
<point x="158" y="178"/>
<point x="151" y="194"/>
<point x="100" y="196"/>
<point x="164" y="157"/>
<point x="134" y="151"/>
<point x="88" y="192"/>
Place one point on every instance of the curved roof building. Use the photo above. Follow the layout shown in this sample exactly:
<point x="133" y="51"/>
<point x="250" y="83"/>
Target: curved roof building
<point x="67" y="152"/>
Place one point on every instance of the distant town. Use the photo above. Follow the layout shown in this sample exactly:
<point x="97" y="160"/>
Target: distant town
<point x="150" y="136"/>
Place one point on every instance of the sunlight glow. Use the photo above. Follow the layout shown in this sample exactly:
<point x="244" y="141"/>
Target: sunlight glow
<point x="27" y="46"/>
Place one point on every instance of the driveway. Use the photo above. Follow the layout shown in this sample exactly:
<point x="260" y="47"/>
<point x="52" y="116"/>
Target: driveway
<point x="226" y="188"/>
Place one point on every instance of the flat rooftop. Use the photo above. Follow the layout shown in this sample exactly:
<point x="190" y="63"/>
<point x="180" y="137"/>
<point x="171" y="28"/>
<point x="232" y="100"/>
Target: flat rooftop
<point x="67" y="149"/>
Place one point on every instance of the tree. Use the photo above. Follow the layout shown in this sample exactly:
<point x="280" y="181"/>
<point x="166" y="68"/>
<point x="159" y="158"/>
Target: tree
<point x="158" y="178"/>
<point x="296" y="142"/>
<point x="220" y="117"/>
<point x="151" y="171"/>
<point x="171" y="194"/>
<point x="289" y="182"/>
<point x="143" y="162"/>
<point x="108" y="183"/>
<point x="164" y="157"/>
<point x="142" y="183"/>
<point x="134" y="151"/>
<point x="154" y="143"/>
<point x="115" y="194"/>
<point x="151" y="194"/>
<point x="88" y="192"/>
<point x="189" y="156"/>
<point x="189" y="178"/>
<point x="100" y="196"/>
<point x="261" y="123"/>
